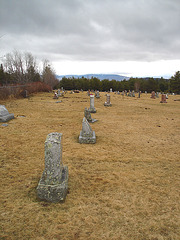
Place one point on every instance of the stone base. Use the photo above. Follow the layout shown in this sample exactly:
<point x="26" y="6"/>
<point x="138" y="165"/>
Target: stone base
<point x="92" y="110"/>
<point x="6" y="118"/>
<point x="92" y="120"/>
<point x="54" y="193"/>
<point x="87" y="139"/>
<point x="107" y="104"/>
<point x="162" y="102"/>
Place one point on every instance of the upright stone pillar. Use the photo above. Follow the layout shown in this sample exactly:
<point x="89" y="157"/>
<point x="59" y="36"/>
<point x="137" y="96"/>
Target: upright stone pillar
<point x="53" y="184"/>
<point x="92" y="108"/>
<point x="5" y="116"/>
<point x="163" y="98"/>
<point x="86" y="134"/>
<point x="107" y="103"/>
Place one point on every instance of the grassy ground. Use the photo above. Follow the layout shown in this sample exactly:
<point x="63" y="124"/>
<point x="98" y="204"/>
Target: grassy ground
<point x="126" y="186"/>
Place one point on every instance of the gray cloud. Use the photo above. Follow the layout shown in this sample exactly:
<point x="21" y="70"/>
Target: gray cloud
<point x="98" y="30"/>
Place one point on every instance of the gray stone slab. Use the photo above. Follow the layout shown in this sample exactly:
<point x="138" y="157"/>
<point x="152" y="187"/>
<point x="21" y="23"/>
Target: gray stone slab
<point x="53" y="185"/>
<point x="5" y="116"/>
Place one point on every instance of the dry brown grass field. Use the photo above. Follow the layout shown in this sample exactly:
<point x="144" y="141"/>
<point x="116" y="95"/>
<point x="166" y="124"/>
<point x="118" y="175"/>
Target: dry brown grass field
<point x="124" y="187"/>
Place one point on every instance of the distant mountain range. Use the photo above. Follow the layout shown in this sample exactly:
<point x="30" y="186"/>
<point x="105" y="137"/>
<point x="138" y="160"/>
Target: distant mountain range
<point x="99" y="76"/>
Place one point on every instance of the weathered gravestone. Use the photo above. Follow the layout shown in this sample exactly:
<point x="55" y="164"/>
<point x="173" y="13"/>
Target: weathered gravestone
<point x="55" y="96"/>
<point x="59" y="93"/>
<point x="92" y="108"/>
<point x="53" y="185"/>
<point x="129" y="94"/>
<point x="97" y="94"/>
<point x="133" y="94"/>
<point x="107" y="103"/>
<point x="86" y="134"/>
<point x="153" y="95"/>
<point x="163" y="98"/>
<point x="87" y="115"/>
<point x="4" y="114"/>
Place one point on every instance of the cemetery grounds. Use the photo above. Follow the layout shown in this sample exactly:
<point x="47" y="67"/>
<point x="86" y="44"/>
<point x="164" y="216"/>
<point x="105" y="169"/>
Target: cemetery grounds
<point x="126" y="186"/>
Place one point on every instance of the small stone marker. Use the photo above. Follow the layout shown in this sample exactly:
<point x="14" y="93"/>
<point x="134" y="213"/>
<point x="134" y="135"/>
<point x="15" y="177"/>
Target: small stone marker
<point x="5" y="116"/>
<point x="153" y="95"/>
<point x="133" y="94"/>
<point x="53" y="185"/>
<point x="129" y="94"/>
<point x="86" y="134"/>
<point x="97" y="94"/>
<point x="59" y="93"/>
<point x="55" y="96"/>
<point x="163" y="98"/>
<point x="107" y="103"/>
<point x="92" y="108"/>
<point x="157" y="95"/>
<point x="87" y="115"/>
<point x="110" y="90"/>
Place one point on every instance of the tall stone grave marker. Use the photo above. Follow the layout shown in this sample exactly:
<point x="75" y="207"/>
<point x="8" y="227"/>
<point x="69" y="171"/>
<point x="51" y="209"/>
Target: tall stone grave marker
<point x="86" y="134"/>
<point x="5" y="116"/>
<point x="108" y="102"/>
<point x="53" y="185"/>
<point x="87" y="115"/>
<point x="92" y="108"/>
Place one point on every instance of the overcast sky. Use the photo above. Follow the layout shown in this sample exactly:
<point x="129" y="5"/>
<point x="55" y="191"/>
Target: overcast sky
<point x="127" y="37"/>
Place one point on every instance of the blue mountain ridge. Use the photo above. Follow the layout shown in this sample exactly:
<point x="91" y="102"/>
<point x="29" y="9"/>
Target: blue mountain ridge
<point x="99" y="76"/>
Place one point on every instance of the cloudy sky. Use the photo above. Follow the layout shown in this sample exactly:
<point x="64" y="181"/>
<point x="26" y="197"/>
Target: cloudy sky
<point x="127" y="37"/>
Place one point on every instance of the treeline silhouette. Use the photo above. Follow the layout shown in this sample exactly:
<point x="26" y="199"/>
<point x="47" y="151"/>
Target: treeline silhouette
<point x="138" y="84"/>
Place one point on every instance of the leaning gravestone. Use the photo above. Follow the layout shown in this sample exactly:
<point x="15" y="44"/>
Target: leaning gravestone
<point x="4" y="114"/>
<point x="53" y="185"/>
<point x="92" y="108"/>
<point x="87" y="115"/>
<point x="107" y="103"/>
<point x="86" y="134"/>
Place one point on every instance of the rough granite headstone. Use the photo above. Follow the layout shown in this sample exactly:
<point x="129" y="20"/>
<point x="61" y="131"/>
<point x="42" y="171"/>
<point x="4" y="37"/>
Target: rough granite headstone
<point x="87" y="115"/>
<point x="92" y="108"/>
<point x="53" y="185"/>
<point x="107" y="103"/>
<point x="5" y="116"/>
<point x="86" y="134"/>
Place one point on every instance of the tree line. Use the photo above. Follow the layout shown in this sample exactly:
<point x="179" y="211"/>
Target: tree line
<point x="22" y="68"/>
<point x="138" y="84"/>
